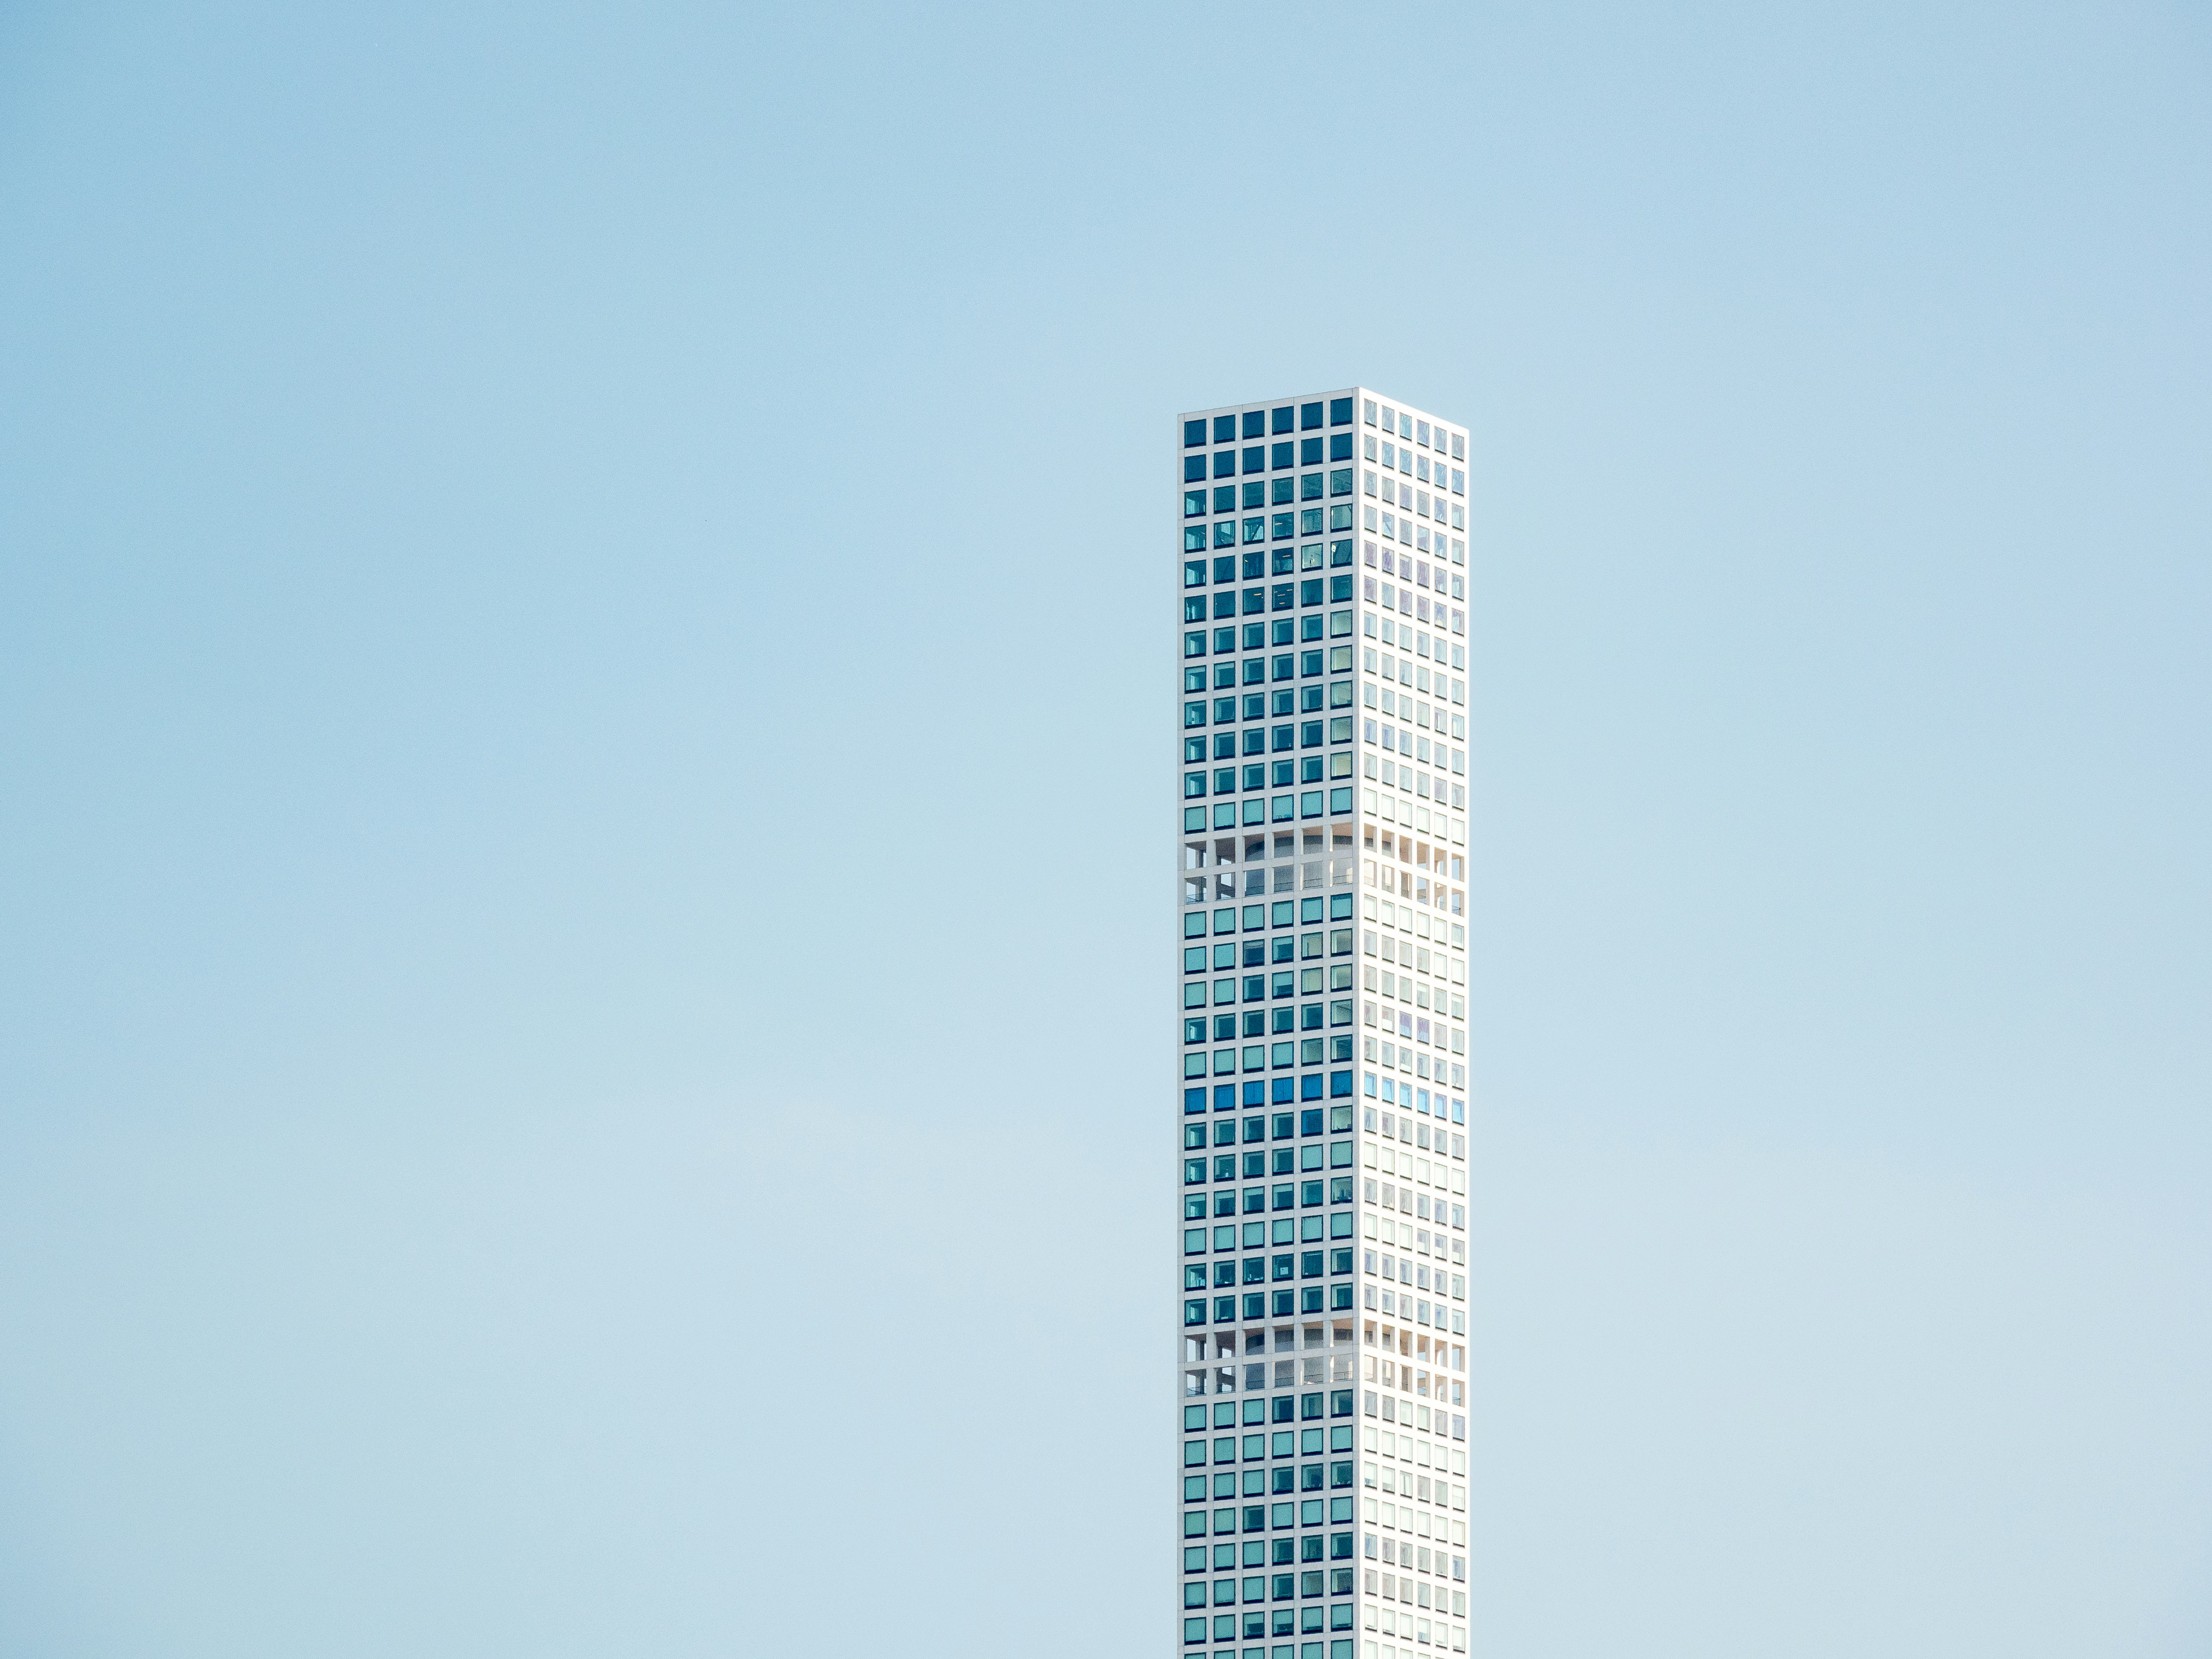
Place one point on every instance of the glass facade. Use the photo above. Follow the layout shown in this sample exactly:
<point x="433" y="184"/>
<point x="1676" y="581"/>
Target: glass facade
<point x="1321" y="874"/>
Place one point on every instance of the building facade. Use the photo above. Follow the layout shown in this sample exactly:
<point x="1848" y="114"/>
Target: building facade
<point x="1323" y="984"/>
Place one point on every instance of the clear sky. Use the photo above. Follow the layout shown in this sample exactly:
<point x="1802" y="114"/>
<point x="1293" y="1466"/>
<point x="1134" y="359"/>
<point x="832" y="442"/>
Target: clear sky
<point x="586" y="917"/>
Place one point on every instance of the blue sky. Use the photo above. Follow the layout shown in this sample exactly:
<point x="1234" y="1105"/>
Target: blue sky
<point x="584" y="797"/>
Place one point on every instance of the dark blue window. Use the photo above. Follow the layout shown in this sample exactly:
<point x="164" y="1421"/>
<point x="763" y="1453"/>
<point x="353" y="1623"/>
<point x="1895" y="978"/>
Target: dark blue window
<point x="1308" y="418"/>
<point x="1310" y="592"/>
<point x="1225" y="463"/>
<point x="1340" y="587"/>
<point x="1255" y="423"/>
<point x="1309" y="452"/>
<point x="1283" y="455"/>
<point x="1340" y="446"/>
<point x="1340" y="413"/>
<point x="1282" y="421"/>
<point x="1225" y="429"/>
<point x="1255" y="459"/>
<point x="1193" y="468"/>
<point x="1193" y="433"/>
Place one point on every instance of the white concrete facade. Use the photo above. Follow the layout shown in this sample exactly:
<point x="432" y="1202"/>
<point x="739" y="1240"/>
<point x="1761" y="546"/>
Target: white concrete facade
<point x="1321" y="1381"/>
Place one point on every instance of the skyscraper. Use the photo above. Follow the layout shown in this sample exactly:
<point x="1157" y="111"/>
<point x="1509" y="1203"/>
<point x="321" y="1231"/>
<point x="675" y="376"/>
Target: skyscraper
<point x="1323" y="847"/>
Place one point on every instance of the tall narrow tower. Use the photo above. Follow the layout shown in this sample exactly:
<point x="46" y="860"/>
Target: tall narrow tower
<point x="1323" y="1381"/>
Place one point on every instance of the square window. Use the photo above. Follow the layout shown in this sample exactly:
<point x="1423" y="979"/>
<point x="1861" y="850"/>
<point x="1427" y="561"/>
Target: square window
<point x="1308" y="416"/>
<point x="1255" y="423"/>
<point x="1309" y="452"/>
<point x="1194" y="434"/>
<point x="1225" y="429"/>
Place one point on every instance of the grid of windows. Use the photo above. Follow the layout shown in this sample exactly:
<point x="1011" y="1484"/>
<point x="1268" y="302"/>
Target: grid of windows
<point x="1323" y="900"/>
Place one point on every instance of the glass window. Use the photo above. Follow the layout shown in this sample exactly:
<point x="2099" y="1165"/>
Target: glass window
<point x="1339" y="483"/>
<point x="1310" y="487"/>
<point x="1225" y="463"/>
<point x="1193" y="468"/>
<point x="1194" y="503"/>
<point x="1340" y="446"/>
<point x="1339" y="411"/>
<point x="1308" y="416"/>
<point x="1255" y="459"/>
<point x="1283" y="455"/>
<point x="1309" y="452"/>
<point x="1255" y="423"/>
<point x="1194" y="434"/>
<point x="1225" y="429"/>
